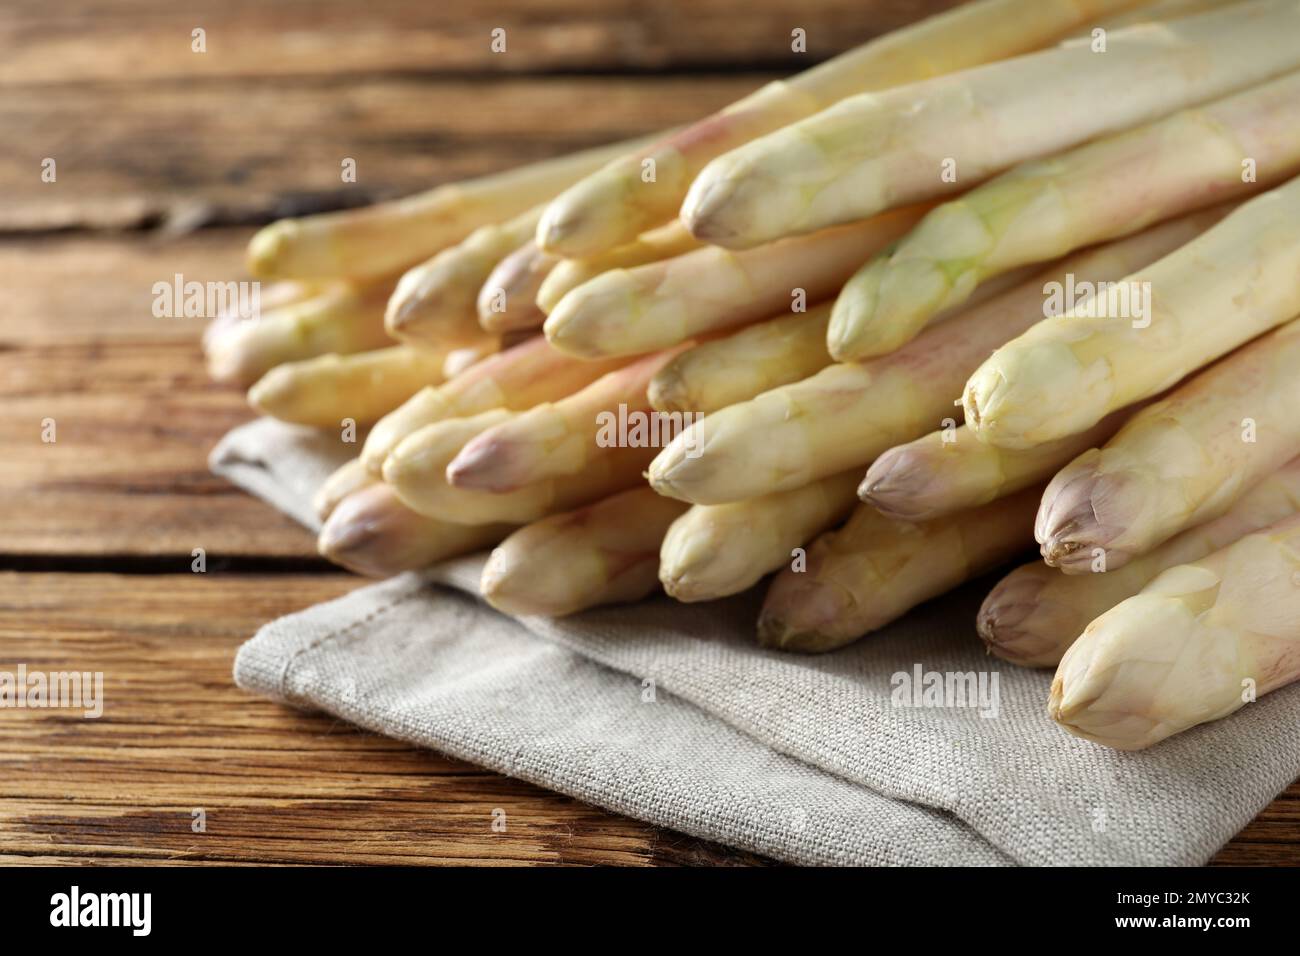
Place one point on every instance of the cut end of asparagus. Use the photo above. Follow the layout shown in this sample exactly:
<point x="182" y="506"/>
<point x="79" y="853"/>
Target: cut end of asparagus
<point x="781" y="635"/>
<point x="669" y="390"/>
<point x="806" y="615"/>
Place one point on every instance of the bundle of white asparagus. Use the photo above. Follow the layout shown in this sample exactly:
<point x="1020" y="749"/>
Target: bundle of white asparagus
<point x="1029" y="268"/>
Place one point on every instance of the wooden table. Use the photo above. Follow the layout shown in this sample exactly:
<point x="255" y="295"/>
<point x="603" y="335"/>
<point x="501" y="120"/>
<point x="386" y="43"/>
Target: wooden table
<point x="166" y="158"/>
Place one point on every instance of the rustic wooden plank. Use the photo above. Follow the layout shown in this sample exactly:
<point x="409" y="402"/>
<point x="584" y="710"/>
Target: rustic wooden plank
<point x="135" y="415"/>
<point x="66" y="289"/>
<point x="127" y="474"/>
<point x="245" y="151"/>
<point x="107" y="40"/>
<point x="277" y="785"/>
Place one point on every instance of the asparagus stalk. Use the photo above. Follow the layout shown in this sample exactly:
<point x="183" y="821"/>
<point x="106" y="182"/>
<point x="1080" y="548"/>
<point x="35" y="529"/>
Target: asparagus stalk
<point x="1179" y="462"/>
<point x="347" y="478"/>
<point x="322" y="391"/>
<point x="387" y="237"/>
<point x="789" y="348"/>
<point x="1046" y="208"/>
<point x="875" y="569"/>
<point x="344" y="318"/>
<point x="951" y="470"/>
<point x="614" y="204"/>
<point x="845" y="415"/>
<point x="520" y="377"/>
<point x="713" y="375"/>
<point x="876" y="151"/>
<point x="372" y="533"/>
<point x="1035" y="612"/>
<point x="417" y="471"/>
<point x="654" y="306"/>
<point x="1220" y="290"/>
<point x="602" y="553"/>
<point x="715" y="550"/>
<point x="508" y="300"/>
<point x="271" y="296"/>
<point x="560" y="438"/>
<point x="436" y="303"/>
<point x="665" y="242"/>
<point x="1195" y="645"/>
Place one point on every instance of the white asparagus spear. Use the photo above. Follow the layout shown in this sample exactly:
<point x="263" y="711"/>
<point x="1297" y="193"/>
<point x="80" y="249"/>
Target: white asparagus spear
<point x="508" y="300"/>
<point x="554" y="439"/>
<point x="602" y="553"/>
<point x="343" y="317"/>
<point x="417" y="471"/>
<point x="876" y="151"/>
<point x="614" y="204"/>
<point x="656" y="306"/>
<point x="1033" y="614"/>
<point x="951" y="470"/>
<point x="517" y="378"/>
<point x="1238" y="280"/>
<point x="1199" y="642"/>
<point x="713" y="375"/>
<point x="372" y="533"/>
<point x="847" y="414"/>
<point x="388" y="237"/>
<point x="347" y="478"/>
<point x="436" y="303"/>
<point x="665" y="242"/>
<point x="715" y="550"/>
<point x="322" y="391"/>
<point x="1046" y="208"/>
<point x="876" y="569"/>
<point x="1180" y="462"/>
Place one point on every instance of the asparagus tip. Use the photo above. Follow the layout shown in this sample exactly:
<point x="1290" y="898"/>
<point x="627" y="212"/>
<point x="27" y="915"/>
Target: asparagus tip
<point x="1001" y="619"/>
<point x="702" y="212"/>
<point x="268" y="246"/>
<point x="483" y="465"/>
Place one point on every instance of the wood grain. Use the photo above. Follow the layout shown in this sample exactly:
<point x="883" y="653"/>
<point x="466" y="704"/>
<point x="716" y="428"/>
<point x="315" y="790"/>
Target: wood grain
<point x="276" y="785"/>
<point x="135" y="415"/>
<point x="108" y="40"/>
<point x="151" y="137"/>
<point x="242" y="151"/>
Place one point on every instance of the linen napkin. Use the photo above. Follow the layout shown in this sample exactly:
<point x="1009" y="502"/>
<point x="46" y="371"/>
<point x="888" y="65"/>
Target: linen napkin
<point x="670" y="713"/>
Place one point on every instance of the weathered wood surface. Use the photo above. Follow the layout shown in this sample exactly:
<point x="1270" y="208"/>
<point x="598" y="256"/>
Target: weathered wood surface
<point x="147" y="134"/>
<point x="133" y="155"/>
<point x="275" y="785"/>
<point x="49" y="43"/>
<point x="133" y="411"/>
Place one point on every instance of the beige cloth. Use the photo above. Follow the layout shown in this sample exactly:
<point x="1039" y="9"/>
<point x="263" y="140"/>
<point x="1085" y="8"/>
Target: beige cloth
<point x="671" y="714"/>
